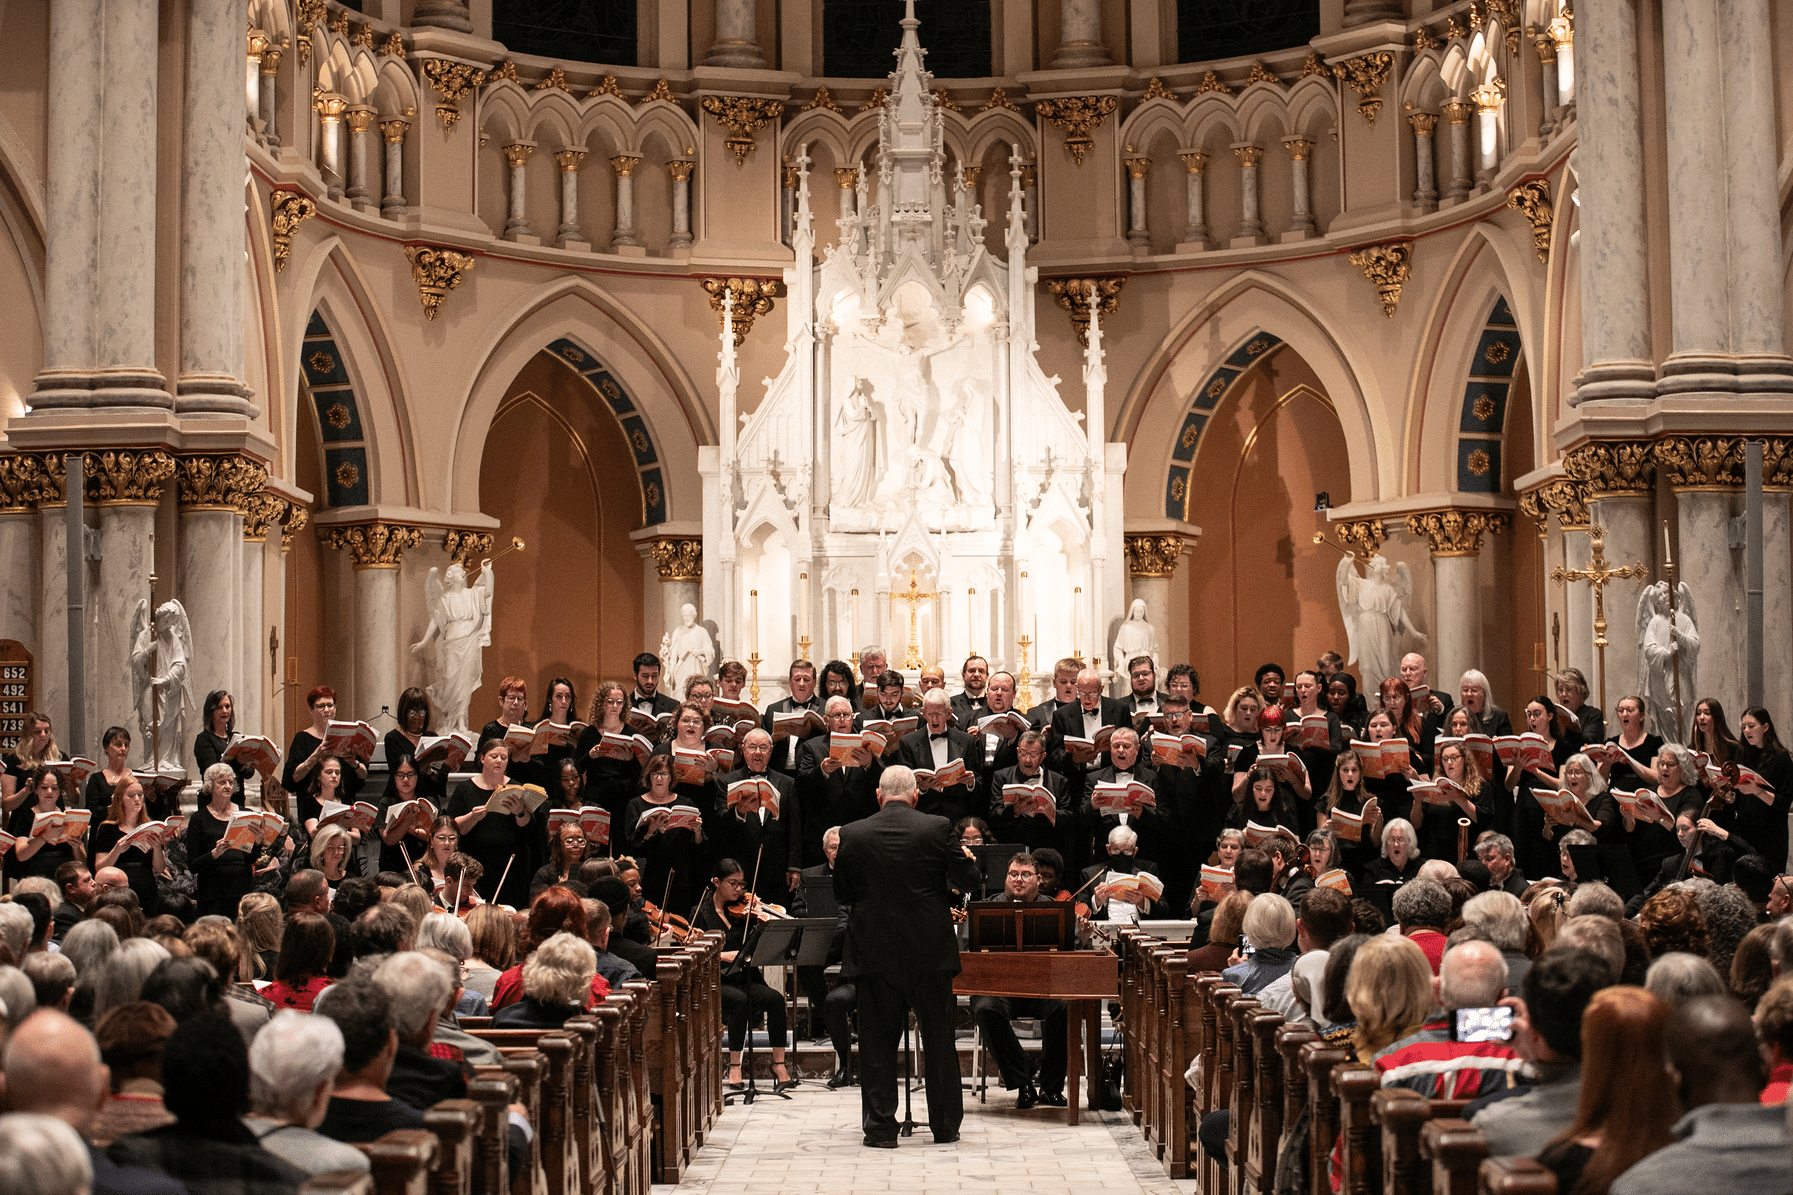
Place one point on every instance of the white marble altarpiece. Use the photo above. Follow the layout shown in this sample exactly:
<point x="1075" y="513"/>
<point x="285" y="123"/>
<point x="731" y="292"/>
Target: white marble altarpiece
<point x="911" y="459"/>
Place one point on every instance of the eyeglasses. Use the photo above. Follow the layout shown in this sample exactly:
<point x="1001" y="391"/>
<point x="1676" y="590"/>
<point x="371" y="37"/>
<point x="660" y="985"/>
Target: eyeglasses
<point x="735" y="883"/>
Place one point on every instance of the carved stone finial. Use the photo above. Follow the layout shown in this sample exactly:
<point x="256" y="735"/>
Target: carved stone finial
<point x="999" y="99"/>
<point x="436" y="272"/>
<point x="1389" y="267"/>
<point x="374" y="545"/>
<point x="821" y="99"/>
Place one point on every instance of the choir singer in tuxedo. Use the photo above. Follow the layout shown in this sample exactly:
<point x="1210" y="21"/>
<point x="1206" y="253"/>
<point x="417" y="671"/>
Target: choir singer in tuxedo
<point x="898" y="870"/>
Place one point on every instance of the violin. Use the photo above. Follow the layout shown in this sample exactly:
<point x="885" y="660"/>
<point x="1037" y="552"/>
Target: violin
<point x="1724" y="791"/>
<point x="755" y="908"/>
<point x="670" y="929"/>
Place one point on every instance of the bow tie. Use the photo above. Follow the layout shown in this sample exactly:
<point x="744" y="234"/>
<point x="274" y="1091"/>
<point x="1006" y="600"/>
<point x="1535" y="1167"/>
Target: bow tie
<point x="933" y="737"/>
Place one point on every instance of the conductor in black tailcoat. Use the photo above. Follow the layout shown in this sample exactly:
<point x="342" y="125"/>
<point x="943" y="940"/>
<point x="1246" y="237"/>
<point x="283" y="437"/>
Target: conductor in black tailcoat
<point x="898" y="869"/>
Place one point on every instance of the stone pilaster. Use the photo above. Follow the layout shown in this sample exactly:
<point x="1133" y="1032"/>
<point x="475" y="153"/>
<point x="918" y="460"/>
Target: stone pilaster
<point x="679" y="561"/>
<point x="377" y="550"/>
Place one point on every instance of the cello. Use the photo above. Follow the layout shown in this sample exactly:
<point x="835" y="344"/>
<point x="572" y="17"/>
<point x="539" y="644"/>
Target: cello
<point x="1723" y="793"/>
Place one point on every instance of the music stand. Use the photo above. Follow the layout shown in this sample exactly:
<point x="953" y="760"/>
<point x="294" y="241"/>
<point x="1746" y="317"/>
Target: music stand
<point x="1610" y="864"/>
<point x="993" y="861"/>
<point x="1002" y="925"/>
<point x="779" y="943"/>
<point x="818" y="897"/>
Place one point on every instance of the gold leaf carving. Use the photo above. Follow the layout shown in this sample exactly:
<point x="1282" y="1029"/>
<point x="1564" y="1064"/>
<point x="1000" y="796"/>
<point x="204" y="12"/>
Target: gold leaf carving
<point x="1532" y="199"/>
<point x="1078" y="117"/>
<point x="821" y="99"/>
<point x="288" y="209"/>
<point x="1457" y="532"/>
<point x="677" y="558"/>
<point x="1072" y="295"/>
<point x="467" y="547"/>
<point x="374" y="545"/>
<point x="1388" y="267"/>
<point x="742" y="116"/>
<point x="1609" y="468"/>
<point x="1000" y="99"/>
<point x="660" y="92"/>
<point x="127" y="477"/>
<point x="1153" y="555"/>
<point x="752" y="299"/>
<point x="1366" y="75"/>
<point x="222" y="482"/>
<point x="436" y="272"/>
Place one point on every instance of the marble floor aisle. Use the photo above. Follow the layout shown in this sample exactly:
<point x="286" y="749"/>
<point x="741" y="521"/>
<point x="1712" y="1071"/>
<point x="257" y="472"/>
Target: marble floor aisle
<point x="811" y="1143"/>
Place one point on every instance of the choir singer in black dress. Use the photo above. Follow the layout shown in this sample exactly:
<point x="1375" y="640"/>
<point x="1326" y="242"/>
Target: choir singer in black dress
<point x="898" y="870"/>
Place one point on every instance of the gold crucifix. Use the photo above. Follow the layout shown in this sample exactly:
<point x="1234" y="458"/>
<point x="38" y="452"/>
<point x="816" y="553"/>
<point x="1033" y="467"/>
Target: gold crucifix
<point x="915" y="597"/>
<point x="1598" y="575"/>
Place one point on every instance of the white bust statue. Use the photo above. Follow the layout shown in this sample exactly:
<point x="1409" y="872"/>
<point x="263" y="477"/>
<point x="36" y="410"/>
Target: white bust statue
<point x="687" y="651"/>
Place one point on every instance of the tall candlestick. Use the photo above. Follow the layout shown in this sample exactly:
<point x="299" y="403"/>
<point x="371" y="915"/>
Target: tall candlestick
<point x="803" y="608"/>
<point x="1076" y="626"/>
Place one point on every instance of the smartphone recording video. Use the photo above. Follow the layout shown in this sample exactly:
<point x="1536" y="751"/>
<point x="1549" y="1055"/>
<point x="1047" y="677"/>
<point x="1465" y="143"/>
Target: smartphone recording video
<point x="1484" y="1024"/>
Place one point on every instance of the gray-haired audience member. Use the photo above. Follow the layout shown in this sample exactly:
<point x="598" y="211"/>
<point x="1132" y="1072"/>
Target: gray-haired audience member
<point x="1727" y="1140"/>
<point x="52" y="979"/>
<point x="292" y="1070"/>
<point x="1677" y="977"/>
<point x="17" y="995"/>
<point x="43" y="1156"/>
<point x="1497" y="917"/>
<point x="122" y="979"/>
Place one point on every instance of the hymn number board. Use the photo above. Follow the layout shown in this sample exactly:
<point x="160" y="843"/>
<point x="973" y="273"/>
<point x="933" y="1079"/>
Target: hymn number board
<point x="15" y="692"/>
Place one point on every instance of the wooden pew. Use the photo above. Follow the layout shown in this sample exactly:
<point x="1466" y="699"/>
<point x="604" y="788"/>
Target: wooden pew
<point x="670" y="1073"/>
<point x="1318" y="1059"/>
<point x="1266" y="1116"/>
<point x="1290" y="1039"/>
<point x="455" y="1124"/>
<point x="1219" y="1076"/>
<point x="401" y="1161"/>
<point x="612" y="1104"/>
<point x="1242" y="1074"/>
<point x="1400" y="1113"/>
<point x="1132" y="945"/>
<point x="586" y="1132"/>
<point x="1516" y="1176"/>
<point x="552" y="1114"/>
<point x="1361" y="1153"/>
<point x="338" y="1182"/>
<point x="640" y="1125"/>
<point x="493" y="1090"/>
<point x="1153" y="1010"/>
<point x="1454" y="1149"/>
<point x="1172" y="1099"/>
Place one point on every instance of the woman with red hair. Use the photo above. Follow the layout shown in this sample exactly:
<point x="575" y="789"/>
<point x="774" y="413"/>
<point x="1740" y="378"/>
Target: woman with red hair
<point x="557" y="909"/>
<point x="306" y="754"/>
<point x="1627" y="1104"/>
<point x="1397" y="701"/>
<point x="513" y="705"/>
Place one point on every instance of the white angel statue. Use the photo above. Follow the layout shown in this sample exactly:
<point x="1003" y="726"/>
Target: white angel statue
<point x="1375" y="607"/>
<point x="161" y="682"/>
<point x="460" y="627"/>
<point x="1658" y="643"/>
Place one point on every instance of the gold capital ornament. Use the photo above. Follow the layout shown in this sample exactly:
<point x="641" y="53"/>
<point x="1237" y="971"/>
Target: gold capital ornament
<point x="1153" y="555"/>
<point x="22" y="481"/>
<point x="1389" y="267"/>
<point x="1078" y="117"/>
<point x="374" y="545"/>
<point x="1366" y="75"/>
<point x="678" y="558"/>
<point x="1457" y="532"/>
<point x="1701" y="462"/>
<point x="453" y="81"/>
<point x="1072" y="295"/>
<point x="261" y="510"/>
<point x="752" y="299"/>
<point x="1613" y="468"/>
<point x="127" y="477"/>
<point x="742" y="116"/>
<point x="436" y="272"/>
<point x="221" y="482"/>
<point x="466" y="548"/>
<point x="296" y="519"/>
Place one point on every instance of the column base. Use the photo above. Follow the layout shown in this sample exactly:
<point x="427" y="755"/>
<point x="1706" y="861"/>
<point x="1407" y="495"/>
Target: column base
<point x="742" y="54"/>
<point x="1201" y="246"/>
<point x="443" y="14"/>
<point x="1079" y="54"/>
<point x="130" y="388"/>
<point x="629" y="250"/>
<point x="523" y="238"/>
<point x="1251" y="241"/>
<point x="1295" y="236"/>
<point x="393" y="207"/>
<point x="1139" y="240"/>
<point x="213" y="394"/>
<point x="1615" y="380"/>
<point x="60" y="389"/>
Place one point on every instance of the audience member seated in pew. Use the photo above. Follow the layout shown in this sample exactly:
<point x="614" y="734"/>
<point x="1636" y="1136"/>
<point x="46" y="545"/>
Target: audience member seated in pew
<point x="205" y="1083"/>
<point x="362" y="1109"/>
<point x="1727" y="1140"/>
<point x="1439" y="1061"/>
<point x="1325" y="917"/>
<point x="450" y="1040"/>
<point x="1627" y="1103"/>
<point x="1389" y="989"/>
<point x="53" y="1070"/>
<point x="1547" y="1034"/>
<point x="557" y="982"/>
<point x="599" y="928"/>
<point x="292" y="1069"/>
<point x="556" y="910"/>
<point x="1774" y="1021"/>
<point x="1268" y="953"/>
<point x="616" y="896"/>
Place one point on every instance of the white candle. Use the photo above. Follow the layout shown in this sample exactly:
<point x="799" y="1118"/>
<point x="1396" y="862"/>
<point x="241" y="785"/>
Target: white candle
<point x="1076" y="609"/>
<point x="854" y="646"/>
<point x="802" y="605"/>
<point x="753" y="618"/>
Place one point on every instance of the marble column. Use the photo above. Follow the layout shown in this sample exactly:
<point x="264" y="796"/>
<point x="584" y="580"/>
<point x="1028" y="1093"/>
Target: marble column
<point x="392" y="134"/>
<point x="377" y="550"/>
<point x="126" y="281"/>
<point x="257" y="46"/>
<point x="1300" y="152"/>
<point x="787" y="201"/>
<point x="261" y="512"/>
<point x="623" y="165"/>
<point x="1454" y="538"/>
<point x="443" y="14"/>
<point x="359" y="120"/>
<point x="212" y="240"/>
<point x="1457" y="113"/>
<point x="1152" y="567"/>
<point x="268" y="74"/>
<point x="1546" y="48"/>
<point x="1195" y="230"/>
<point x="847" y="179"/>
<point x="735" y="43"/>
<point x="1714" y="573"/>
<point x="126" y="547"/>
<point x="211" y="552"/>
<point x="19" y="584"/>
<point x="52" y="602"/>
<point x="1138" y="167"/>
<point x="1362" y="12"/>
<point x="568" y="235"/>
<point x="517" y="155"/>
<point x="1629" y="534"/>
<point x="1251" y="226"/>
<point x="73" y="153"/>
<point x="1562" y="34"/>
<point x="330" y="108"/>
<point x="1080" y="35"/>
<point x="1425" y="189"/>
<point x="1488" y="100"/>
<point x="1617" y="360"/>
<point x="680" y="170"/>
<point x="1578" y="607"/>
<point x="1777" y="597"/>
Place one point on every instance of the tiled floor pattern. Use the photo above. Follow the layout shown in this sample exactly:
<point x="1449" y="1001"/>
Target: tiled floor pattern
<point x="811" y="1143"/>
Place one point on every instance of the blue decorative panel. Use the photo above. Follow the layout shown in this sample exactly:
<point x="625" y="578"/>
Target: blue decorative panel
<point x="1176" y="492"/>
<point x="1478" y="466"/>
<point x="345" y="476"/>
<point x="1484" y="407"/>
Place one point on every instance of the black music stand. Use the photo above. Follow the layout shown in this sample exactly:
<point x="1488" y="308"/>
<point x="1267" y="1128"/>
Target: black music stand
<point x="993" y="861"/>
<point x="818" y="897"/>
<point x="1015" y="925"/>
<point x="779" y="943"/>
<point x="1611" y="864"/>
